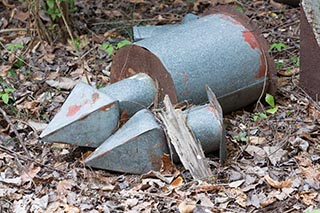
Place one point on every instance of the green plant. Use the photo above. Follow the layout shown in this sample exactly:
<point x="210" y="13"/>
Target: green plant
<point x="312" y="211"/>
<point x="279" y="64"/>
<point x="5" y="95"/>
<point x="295" y="60"/>
<point x="270" y="100"/>
<point x="110" y="48"/>
<point x="52" y="9"/>
<point x="13" y="47"/>
<point x="278" y="46"/>
<point x="259" y="115"/>
<point x="240" y="9"/>
<point x="242" y="136"/>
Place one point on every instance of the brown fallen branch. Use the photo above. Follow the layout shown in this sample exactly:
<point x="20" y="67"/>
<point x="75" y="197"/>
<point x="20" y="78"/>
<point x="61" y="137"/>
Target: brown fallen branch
<point x="189" y="150"/>
<point x="16" y="133"/>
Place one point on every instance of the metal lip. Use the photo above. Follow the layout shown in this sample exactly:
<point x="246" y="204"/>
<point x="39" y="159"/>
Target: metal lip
<point x="133" y="59"/>
<point x="263" y="43"/>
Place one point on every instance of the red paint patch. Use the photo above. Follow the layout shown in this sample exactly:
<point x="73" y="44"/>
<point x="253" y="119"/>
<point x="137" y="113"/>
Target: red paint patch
<point x="95" y="97"/>
<point x="73" y="110"/>
<point x="185" y="77"/>
<point x="250" y="39"/>
<point x="213" y="110"/>
<point x="262" y="68"/>
<point x="105" y="108"/>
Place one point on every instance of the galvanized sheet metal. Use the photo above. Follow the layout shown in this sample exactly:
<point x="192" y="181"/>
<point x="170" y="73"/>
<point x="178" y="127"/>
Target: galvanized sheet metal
<point x="137" y="147"/>
<point x="133" y="93"/>
<point x="216" y="50"/>
<point x="87" y="118"/>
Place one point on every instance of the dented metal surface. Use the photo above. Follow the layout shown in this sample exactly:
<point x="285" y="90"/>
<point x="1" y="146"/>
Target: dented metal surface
<point x="87" y="118"/>
<point x="133" y="94"/>
<point x="217" y="50"/>
<point x="135" y="148"/>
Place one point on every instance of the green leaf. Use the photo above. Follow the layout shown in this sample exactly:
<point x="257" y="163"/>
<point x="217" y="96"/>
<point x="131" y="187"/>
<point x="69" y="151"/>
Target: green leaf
<point x="19" y="46"/>
<point x="110" y="49"/>
<point x="240" y="9"/>
<point x="123" y="43"/>
<point x="5" y="98"/>
<point x="8" y="90"/>
<point x="11" y="47"/>
<point x="104" y="46"/>
<point x="255" y="118"/>
<point x="262" y="115"/>
<point x="242" y="136"/>
<point x="270" y="100"/>
<point x="272" y="110"/>
<point x="278" y="46"/>
<point x="50" y="3"/>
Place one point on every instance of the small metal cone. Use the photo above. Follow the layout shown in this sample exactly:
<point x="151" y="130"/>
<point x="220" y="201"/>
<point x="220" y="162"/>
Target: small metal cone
<point x="135" y="148"/>
<point x="86" y="118"/>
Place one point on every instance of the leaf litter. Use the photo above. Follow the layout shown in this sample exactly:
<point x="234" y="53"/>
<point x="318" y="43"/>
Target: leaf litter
<point x="273" y="162"/>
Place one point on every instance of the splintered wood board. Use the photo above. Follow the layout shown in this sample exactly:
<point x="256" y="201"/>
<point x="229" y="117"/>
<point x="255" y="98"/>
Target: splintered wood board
<point x="187" y="147"/>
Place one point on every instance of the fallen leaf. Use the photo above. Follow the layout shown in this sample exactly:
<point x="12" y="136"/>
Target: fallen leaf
<point x="187" y="206"/>
<point x="64" y="186"/>
<point x="277" y="184"/>
<point x="257" y="140"/>
<point x="28" y="175"/>
<point x="275" y="154"/>
<point x="62" y="83"/>
<point x="168" y="167"/>
<point x="236" y="184"/>
<point x="177" y="182"/>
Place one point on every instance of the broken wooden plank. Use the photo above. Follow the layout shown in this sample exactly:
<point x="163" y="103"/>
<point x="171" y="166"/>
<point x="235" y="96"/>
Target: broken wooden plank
<point x="187" y="147"/>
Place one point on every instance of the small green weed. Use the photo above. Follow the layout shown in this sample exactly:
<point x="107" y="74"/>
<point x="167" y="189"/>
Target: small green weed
<point x="295" y="60"/>
<point x="5" y="95"/>
<point x="110" y="48"/>
<point x="270" y="100"/>
<point x="242" y="137"/>
<point x="14" y="47"/>
<point x="278" y="46"/>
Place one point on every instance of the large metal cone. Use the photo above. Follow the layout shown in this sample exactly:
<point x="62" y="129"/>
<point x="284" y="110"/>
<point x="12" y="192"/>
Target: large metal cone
<point x="87" y="118"/>
<point x="137" y="147"/>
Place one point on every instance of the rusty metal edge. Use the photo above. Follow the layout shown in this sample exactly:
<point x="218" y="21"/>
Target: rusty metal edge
<point x="135" y="62"/>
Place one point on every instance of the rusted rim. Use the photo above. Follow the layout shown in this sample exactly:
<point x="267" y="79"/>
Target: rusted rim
<point x="134" y="59"/>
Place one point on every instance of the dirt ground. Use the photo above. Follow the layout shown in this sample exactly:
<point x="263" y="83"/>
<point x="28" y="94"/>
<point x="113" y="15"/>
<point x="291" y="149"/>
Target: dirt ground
<point x="273" y="162"/>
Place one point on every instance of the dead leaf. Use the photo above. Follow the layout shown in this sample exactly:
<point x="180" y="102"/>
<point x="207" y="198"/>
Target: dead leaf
<point x="177" y="182"/>
<point x="277" y="184"/>
<point x="257" y="140"/>
<point x="236" y="184"/>
<point x="303" y="159"/>
<point x="308" y="197"/>
<point x="28" y="175"/>
<point x="187" y="206"/>
<point x="22" y="16"/>
<point x="168" y="167"/>
<point x="275" y="154"/>
<point x="64" y="186"/>
<point x="62" y="83"/>
<point x="255" y="151"/>
<point x="239" y="196"/>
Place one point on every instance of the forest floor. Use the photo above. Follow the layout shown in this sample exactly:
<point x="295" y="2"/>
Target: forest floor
<point x="273" y="162"/>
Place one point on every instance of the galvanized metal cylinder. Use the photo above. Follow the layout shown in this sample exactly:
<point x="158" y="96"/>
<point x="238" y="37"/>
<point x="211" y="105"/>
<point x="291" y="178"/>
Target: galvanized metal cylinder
<point x="205" y="127"/>
<point x="133" y="94"/>
<point x="217" y="50"/>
